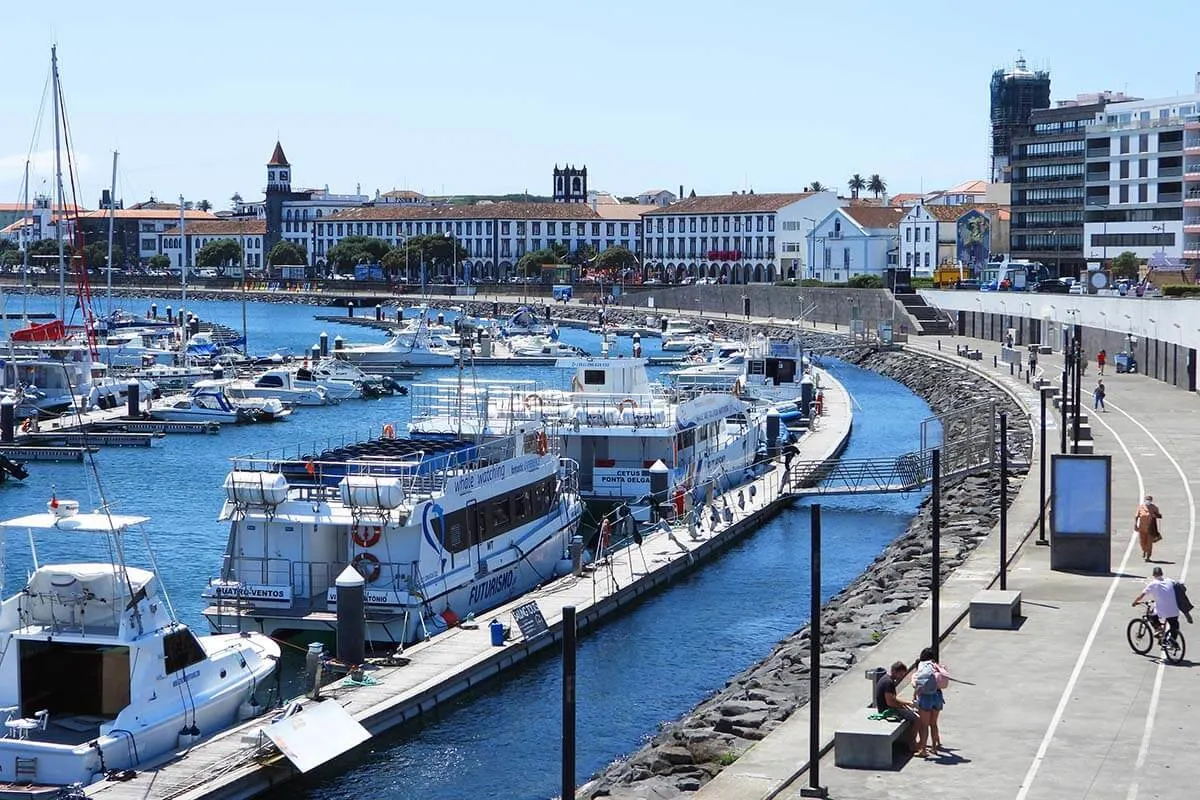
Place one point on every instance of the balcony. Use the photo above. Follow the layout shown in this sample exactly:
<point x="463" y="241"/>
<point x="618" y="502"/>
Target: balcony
<point x="1191" y="225"/>
<point x="1191" y="200"/>
<point x="1170" y="147"/>
<point x="1174" y="197"/>
<point x="1170" y="172"/>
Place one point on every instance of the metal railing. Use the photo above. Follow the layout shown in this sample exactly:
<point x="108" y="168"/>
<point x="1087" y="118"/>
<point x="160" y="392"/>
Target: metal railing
<point x="904" y="473"/>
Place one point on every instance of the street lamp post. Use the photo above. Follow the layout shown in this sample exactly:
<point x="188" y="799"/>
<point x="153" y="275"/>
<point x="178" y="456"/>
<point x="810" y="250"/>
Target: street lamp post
<point x="812" y="246"/>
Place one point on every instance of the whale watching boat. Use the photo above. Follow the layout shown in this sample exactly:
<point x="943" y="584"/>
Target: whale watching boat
<point x="96" y="673"/>
<point x="439" y="527"/>
<point x="763" y="370"/>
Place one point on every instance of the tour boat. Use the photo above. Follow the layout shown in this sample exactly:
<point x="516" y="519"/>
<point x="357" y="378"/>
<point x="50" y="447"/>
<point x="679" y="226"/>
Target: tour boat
<point x="439" y="528"/>
<point x="762" y="371"/>
<point x="97" y="674"/>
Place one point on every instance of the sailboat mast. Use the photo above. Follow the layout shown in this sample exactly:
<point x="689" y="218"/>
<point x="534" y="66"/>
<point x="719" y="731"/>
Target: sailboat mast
<point x="183" y="271"/>
<point x="27" y="240"/>
<point x="58" y="185"/>
<point x="112" y="215"/>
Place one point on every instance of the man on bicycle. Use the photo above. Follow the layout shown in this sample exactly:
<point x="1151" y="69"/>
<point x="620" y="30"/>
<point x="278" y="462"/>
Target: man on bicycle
<point x="1162" y="592"/>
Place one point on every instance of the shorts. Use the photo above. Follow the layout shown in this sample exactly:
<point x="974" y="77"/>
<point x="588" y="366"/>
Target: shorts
<point x="931" y="702"/>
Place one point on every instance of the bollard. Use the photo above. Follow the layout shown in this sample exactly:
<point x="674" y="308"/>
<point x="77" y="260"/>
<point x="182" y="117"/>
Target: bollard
<point x="218" y="372"/>
<point x="170" y="314"/>
<point x="939" y="345"/>
<point x="637" y="345"/>
<point x="378" y="313"/>
<point x="773" y="433"/>
<point x="8" y="421"/>
<point x="485" y="344"/>
<point x="495" y="310"/>
<point x="134" y="399"/>
<point x="576" y="550"/>
<point x="658" y="487"/>
<point x="995" y="361"/>
<point x="351" y="617"/>
<point x="350" y="308"/>
<point x="324" y="343"/>
<point x="193" y="325"/>
<point x="181" y="318"/>
<point x="154" y="311"/>
<point x="1011" y="369"/>
<point x="441" y="318"/>
<point x="312" y="663"/>
<point x="338" y="343"/>
<point x="315" y="353"/>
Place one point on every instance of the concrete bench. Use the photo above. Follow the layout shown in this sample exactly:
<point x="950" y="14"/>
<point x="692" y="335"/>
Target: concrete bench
<point x="995" y="608"/>
<point x="975" y="355"/>
<point x="863" y="743"/>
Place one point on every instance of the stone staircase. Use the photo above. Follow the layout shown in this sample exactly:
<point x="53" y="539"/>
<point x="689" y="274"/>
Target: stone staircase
<point x="1085" y="446"/>
<point x="930" y="321"/>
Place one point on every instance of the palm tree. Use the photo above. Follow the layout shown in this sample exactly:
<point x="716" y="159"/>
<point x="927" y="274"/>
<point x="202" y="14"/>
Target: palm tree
<point x="856" y="184"/>
<point x="204" y="205"/>
<point x="816" y="186"/>
<point x="876" y="185"/>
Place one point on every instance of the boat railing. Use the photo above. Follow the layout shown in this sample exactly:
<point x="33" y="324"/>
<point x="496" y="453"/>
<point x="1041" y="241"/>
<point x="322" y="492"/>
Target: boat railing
<point x="71" y="613"/>
<point x="316" y="576"/>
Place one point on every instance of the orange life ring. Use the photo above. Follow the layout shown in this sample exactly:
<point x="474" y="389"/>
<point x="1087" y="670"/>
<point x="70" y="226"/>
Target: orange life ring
<point x="529" y="401"/>
<point x="310" y="467"/>
<point x="367" y="535"/>
<point x="368" y="566"/>
<point x="542" y="443"/>
<point x="26" y="426"/>
<point x="389" y="431"/>
<point x="632" y="404"/>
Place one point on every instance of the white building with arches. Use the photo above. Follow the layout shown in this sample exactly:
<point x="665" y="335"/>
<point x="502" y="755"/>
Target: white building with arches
<point x="734" y="238"/>
<point x="181" y="246"/>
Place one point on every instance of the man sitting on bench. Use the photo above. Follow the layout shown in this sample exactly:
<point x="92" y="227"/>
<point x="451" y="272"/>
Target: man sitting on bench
<point x="888" y="701"/>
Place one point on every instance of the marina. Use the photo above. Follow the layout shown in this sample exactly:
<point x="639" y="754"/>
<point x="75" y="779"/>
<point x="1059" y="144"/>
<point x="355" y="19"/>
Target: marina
<point x="234" y="765"/>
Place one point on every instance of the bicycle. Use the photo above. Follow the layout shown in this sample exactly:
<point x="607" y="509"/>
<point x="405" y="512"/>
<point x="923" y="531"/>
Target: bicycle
<point x="1142" y="633"/>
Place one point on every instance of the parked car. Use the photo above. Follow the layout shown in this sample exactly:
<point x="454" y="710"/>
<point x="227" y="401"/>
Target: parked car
<point x="1052" y="286"/>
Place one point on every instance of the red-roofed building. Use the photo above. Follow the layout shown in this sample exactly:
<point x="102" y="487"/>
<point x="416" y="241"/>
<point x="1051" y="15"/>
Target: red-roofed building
<point x="735" y="238"/>
<point x="248" y="232"/>
<point x="855" y="240"/>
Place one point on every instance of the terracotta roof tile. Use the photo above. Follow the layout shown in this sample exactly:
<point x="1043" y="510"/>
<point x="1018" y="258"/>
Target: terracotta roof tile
<point x="953" y="213"/>
<point x="732" y="203"/>
<point x="875" y="216"/>
<point x="147" y="213"/>
<point x="21" y="207"/>
<point x="404" y="194"/>
<point x="907" y="197"/>
<point x="508" y="209"/>
<point x="223" y="227"/>
<point x="622" y="211"/>
<point x="278" y="159"/>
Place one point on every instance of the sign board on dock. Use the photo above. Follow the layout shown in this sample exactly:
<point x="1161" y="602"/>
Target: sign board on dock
<point x="529" y="618"/>
<point x="319" y="733"/>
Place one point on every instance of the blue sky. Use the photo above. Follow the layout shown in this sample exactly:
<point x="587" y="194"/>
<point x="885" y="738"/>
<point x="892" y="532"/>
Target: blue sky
<point x="485" y="97"/>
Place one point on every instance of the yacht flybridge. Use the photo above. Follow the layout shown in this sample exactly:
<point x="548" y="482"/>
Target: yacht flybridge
<point x="96" y="674"/>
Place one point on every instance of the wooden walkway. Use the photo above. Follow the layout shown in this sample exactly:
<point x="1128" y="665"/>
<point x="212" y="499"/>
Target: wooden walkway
<point x="236" y="764"/>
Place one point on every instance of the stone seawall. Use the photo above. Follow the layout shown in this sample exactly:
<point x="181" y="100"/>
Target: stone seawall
<point x="684" y="755"/>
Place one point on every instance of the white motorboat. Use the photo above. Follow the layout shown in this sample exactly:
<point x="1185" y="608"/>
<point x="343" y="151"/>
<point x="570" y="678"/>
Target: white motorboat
<point x="541" y="346"/>
<point x="95" y="661"/>
<point x="175" y="378"/>
<point x="407" y="348"/>
<point x="372" y="383"/>
<point x="525" y="321"/>
<point x="336" y="389"/>
<point x="282" y="384"/>
<point x="251" y="409"/>
<point x="763" y="371"/>
<point x="201" y="406"/>
<point x="439" y="527"/>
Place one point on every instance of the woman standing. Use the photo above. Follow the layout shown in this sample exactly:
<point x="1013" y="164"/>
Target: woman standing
<point x="929" y="679"/>
<point x="1145" y="522"/>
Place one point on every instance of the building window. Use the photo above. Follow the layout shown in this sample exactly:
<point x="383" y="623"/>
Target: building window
<point x="596" y="230"/>
<point x="611" y="228"/>
<point x="737" y="224"/>
<point x="671" y="225"/>
<point x="1144" y="143"/>
<point x="625" y="227"/>
<point x="552" y="227"/>
<point x="927" y="233"/>
<point x="1144" y="168"/>
<point x="908" y="260"/>
<point x="1124" y="144"/>
<point x="908" y="234"/>
<point x="1123" y="194"/>
<point x="504" y="228"/>
<point x="726" y="224"/>
<point x="1143" y="190"/>
<point x="827" y="254"/>
<point x="846" y="257"/>
<point x="926" y="258"/>
<point x="704" y="224"/>
<point x="537" y="229"/>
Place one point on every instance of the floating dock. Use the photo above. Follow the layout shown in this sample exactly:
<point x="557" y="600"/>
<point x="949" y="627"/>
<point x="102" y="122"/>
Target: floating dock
<point x="91" y="438"/>
<point x="21" y="452"/>
<point x="241" y="762"/>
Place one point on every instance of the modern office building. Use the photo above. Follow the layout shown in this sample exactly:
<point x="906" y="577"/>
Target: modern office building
<point x="1142" y="175"/>
<point x="1047" y="171"/>
<point x="1016" y="94"/>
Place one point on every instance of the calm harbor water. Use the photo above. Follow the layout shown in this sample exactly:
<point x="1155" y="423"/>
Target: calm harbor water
<point x="638" y="670"/>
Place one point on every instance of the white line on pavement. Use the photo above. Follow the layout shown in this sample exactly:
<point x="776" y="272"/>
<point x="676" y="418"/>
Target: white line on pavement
<point x="1027" y="783"/>
<point x="1156" y="693"/>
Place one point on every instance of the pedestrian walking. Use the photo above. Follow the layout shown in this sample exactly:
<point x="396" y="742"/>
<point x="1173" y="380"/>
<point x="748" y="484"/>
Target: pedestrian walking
<point x="1083" y="361"/>
<point x="1101" y="360"/>
<point x="1145" y="522"/>
<point x="1033" y="360"/>
<point x="1098" y="396"/>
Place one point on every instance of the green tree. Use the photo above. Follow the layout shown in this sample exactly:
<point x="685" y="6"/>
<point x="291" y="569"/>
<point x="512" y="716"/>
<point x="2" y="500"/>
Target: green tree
<point x="96" y="255"/>
<point x="581" y="255"/>
<point x="1126" y="265"/>
<point x="47" y="247"/>
<point x="616" y="260"/>
<point x="816" y="186"/>
<point x="159" y="262"/>
<point x="357" y="250"/>
<point x="876" y="185"/>
<point x="287" y="253"/>
<point x="865" y="282"/>
<point x="530" y="263"/>
<point x="204" y="205"/>
<point x="856" y="184"/>
<point x="219" y="253"/>
<point x="432" y="248"/>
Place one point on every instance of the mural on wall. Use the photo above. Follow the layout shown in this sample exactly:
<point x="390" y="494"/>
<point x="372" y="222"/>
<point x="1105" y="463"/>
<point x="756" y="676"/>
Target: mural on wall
<point x="974" y="238"/>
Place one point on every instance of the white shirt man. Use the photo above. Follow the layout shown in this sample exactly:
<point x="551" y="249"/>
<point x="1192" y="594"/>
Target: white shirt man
<point x="1162" y="592"/>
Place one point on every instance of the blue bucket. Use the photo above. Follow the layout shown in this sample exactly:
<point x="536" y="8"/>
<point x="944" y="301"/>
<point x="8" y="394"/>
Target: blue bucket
<point x="497" y="629"/>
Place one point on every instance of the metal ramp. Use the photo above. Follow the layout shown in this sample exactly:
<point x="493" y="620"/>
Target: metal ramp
<point x="904" y="473"/>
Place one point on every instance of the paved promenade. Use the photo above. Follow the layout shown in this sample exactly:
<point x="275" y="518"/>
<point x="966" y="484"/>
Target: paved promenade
<point x="1060" y="708"/>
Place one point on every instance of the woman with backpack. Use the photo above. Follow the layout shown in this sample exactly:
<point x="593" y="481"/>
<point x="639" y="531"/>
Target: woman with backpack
<point x="929" y="679"/>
